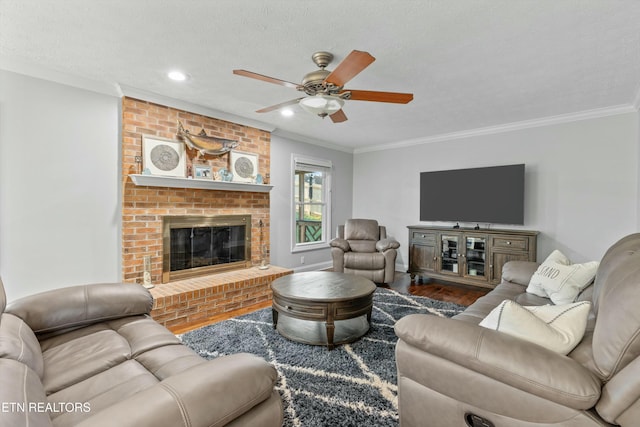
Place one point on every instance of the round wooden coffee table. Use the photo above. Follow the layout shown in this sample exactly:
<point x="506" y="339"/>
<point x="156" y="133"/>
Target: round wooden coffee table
<point x="302" y="302"/>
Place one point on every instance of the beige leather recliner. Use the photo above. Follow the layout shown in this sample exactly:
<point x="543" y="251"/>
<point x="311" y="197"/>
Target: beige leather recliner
<point x="362" y="247"/>
<point x="91" y="356"/>
<point x="453" y="373"/>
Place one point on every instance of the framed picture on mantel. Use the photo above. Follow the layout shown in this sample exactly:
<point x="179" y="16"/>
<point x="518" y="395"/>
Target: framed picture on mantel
<point x="202" y="171"/>
<point x="244" y="166"/>
<point x="161" y="156"/>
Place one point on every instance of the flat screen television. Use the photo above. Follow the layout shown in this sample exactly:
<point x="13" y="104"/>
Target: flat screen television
<point x="480" y="195"/>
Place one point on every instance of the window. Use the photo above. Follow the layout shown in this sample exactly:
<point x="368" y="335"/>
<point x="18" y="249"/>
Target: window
<point x="311" y="202"/>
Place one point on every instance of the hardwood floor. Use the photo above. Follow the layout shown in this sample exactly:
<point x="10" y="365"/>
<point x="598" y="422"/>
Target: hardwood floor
<point x="450" y="292"/>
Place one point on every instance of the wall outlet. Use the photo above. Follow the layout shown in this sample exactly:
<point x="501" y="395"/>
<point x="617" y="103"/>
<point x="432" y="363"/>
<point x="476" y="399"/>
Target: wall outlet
<point x="301" y="260"/>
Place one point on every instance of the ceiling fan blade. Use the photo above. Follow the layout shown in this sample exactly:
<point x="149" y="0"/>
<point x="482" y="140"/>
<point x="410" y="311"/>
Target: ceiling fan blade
<point x="278" y="106"/>
<point x="353" y="64"/>
<point x="267" y="79"/>
<point x="338" y="116"/>
<point x="375" y="96"/>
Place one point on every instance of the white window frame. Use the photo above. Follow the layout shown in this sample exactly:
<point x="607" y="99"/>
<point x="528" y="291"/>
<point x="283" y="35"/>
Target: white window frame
<point x="302" y="162"/>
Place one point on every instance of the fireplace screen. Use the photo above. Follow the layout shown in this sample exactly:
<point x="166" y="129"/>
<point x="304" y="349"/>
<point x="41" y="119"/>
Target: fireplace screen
<point x="202" y="245"/>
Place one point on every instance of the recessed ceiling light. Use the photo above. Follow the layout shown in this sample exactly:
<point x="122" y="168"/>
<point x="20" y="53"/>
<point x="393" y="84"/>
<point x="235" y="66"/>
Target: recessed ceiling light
<point x="178" y="76"/>
<point x="287" y="112"/>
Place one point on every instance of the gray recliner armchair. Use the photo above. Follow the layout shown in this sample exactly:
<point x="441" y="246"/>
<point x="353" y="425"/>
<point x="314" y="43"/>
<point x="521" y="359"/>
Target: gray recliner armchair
<point x="362" y="248"/>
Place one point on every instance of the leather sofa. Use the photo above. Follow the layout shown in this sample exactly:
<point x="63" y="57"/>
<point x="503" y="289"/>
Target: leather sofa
<point x="362" y="247"/>
<point x="452" y="372"/>
<point x="91" y="356"/>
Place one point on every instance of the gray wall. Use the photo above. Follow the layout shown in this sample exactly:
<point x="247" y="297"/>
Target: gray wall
<point x="59" y="181"/>
<point x="281" y="204"/>
<point x="581" y="181"/>
<point x="59" y="185"/>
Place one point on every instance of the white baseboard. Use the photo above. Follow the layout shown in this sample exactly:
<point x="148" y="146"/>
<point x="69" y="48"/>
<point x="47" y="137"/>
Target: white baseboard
<point x="313" y="267"/>
<point x="403" y="268"/>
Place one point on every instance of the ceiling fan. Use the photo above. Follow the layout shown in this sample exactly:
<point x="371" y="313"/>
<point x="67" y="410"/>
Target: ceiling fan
<point x="325" y="89"/>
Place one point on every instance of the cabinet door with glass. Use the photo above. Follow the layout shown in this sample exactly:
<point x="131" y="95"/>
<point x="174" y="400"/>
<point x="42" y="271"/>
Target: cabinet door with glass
<point x="449" y="254"/>
<point x="475" y="257"/>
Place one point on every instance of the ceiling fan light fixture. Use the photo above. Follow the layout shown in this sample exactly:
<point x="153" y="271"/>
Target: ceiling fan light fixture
<point x="322" y="105"/>
<point x="325" y="89"/>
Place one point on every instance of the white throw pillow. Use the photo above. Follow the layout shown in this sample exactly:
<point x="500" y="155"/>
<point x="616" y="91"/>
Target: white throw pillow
<point x="556" y="327"/>
<point x="556" y="257"/>
<point x="559" y="280"/>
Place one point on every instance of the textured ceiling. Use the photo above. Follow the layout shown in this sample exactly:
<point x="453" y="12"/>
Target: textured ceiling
<point x="470" y="64"/>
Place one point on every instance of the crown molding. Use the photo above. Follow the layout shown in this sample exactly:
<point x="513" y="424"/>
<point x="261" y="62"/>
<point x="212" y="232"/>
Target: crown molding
<point x="30" y="69"/>
<point x="18" y="66"/>
<point x="301" y="138"/>
<point x="193" y="108"/>
<point x="509" y="127"/>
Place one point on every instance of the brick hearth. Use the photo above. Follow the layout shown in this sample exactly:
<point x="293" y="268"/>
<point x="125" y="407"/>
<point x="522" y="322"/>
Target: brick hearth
<point x="191" y="301"/>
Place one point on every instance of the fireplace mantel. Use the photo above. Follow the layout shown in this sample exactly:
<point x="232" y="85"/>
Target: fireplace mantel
<point x="147" y="199"/>
<point x="172" y="182"/>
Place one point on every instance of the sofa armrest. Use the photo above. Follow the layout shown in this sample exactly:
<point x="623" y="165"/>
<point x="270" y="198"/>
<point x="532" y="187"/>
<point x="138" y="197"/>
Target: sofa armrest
<point x="386" y="244"/>
<point x="210" y="394"/>
<point x="510" y="360"/>
<point x="620" y="395"/>
<point x="22" y="396"/>
<point x="82" y="305"/>
<point x="340" y="244"/>
<point x="519" y="272"/>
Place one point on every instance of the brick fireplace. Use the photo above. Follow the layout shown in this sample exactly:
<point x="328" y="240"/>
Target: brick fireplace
<point x="145" y="207"/>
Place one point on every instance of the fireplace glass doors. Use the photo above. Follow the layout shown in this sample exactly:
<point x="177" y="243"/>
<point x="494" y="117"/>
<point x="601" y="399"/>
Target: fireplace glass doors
<point x="195" y="246"/>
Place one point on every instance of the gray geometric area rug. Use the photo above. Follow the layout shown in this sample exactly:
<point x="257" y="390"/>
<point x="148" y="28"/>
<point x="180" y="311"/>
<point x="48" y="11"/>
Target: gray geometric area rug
<point x="352" y="385"/>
